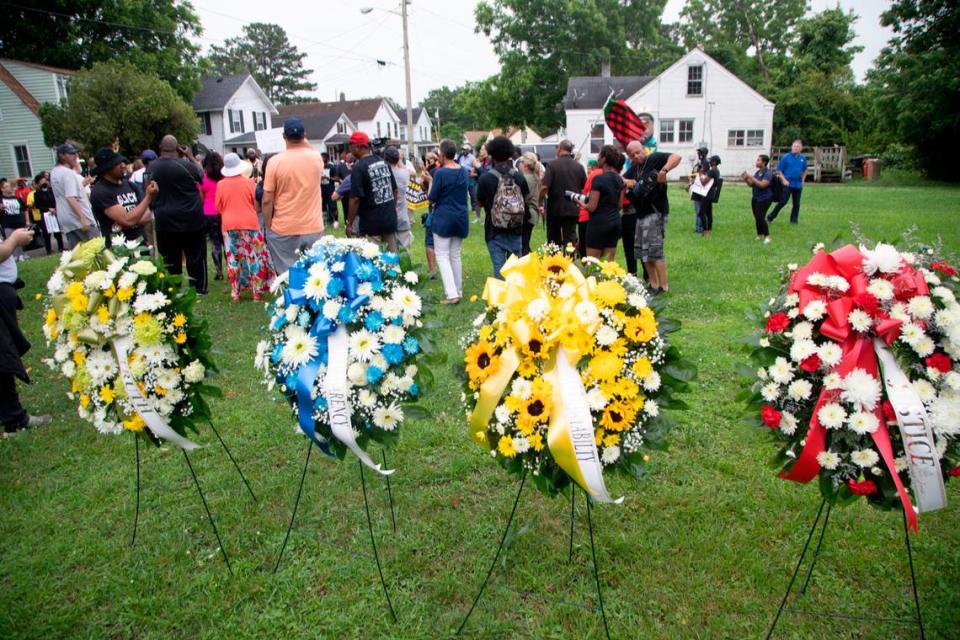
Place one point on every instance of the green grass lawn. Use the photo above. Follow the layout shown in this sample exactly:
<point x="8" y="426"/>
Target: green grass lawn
<point x="702" y="547"/>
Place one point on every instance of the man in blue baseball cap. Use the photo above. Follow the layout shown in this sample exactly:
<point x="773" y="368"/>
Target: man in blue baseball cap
<point x="292" y="205"/>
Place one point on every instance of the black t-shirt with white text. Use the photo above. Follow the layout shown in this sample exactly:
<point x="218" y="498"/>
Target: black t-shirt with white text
<point x="372" y="182"/>
<point x="12" y="217"/>
<point x="105" y="194"/>
<point x="178" y="205"/>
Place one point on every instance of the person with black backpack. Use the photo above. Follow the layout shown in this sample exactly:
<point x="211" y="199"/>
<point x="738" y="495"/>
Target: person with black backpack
<point x="502" y="192"/>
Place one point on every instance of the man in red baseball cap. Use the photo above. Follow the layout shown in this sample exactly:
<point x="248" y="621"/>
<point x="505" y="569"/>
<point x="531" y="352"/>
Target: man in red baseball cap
<point x="373" y="194"/>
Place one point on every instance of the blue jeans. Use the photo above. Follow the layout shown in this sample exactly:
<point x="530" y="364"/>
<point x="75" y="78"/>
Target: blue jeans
<point x="793" y="192"/>
<point x="501" y="247"/>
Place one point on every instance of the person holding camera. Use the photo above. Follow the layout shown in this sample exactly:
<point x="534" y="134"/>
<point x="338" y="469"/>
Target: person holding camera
<point x="13" y="344"/>
<point x="603" y="229"/>
<point x="649" y="195"/>
<point x="178" y="212"/>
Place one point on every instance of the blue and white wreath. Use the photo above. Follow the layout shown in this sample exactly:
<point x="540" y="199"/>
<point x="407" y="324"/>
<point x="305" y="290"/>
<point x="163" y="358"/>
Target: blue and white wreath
<point x="346" y="335"/>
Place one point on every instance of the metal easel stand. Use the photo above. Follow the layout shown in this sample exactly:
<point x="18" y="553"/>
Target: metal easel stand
<point x="503" y="539"/>
<point x="918" y="620"/>
<point x="203" y="499"/>
<point x="366" y="504"/>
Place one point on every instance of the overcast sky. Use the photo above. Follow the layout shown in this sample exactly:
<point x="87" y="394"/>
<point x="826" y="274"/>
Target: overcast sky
<point x="343" y="45"/>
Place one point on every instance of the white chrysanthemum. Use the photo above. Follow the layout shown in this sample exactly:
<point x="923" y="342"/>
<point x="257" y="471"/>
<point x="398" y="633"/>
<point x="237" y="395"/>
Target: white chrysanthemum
<point x="149" y="302"/>
<point x="366" y="398"/>
<point x="502" y="414"/>
<point x="408" y="300"/>
<point x="800" y="350"/>
<point x="596" y="399"/>
<point x="817" y="279"/>
<point x="952" y="380"/>
<point x="138" y="368"/>
<point x="764" y="342"/>
<point x="392" y="334"/>
<point x="69" y="369"/>
<point x="521" y="444"/>
<point x="369" y="250"/>
<point x="357" y="374"/>
<point x="262" y="360"/>
<point x="924" y="346"/>
<point x="861" y="389"/>
<point x="391" y="309"/>
<point x="315" y="287"/>
<point x="911" y="333"/>
<point x="770" y="391"/>
<point x="651" y="408"/>
<point x="831" y="415"/>
<point x="537" y="309"/>
<point x="168" y="378"/>
<point x="944" y="294"/>
<point x="610" y="454"/>
<point x="522" y="388"/>
<point x="411" y="277"/>
<point x="880" y="289"/>
<point x="636" y="301"/>
<point x="792" y="300"/>
<point x="920" y="307"/>
<point x="56" y="283"/>
<point x="95" y="281"/>
<point x="925" y="390"/>
<point x="931" y="278"/>
<point x="330" y="309"/>
<point x="300" y="347"/>
<point x="838" y="283"/>
<point x="828" y="460"/>
<point x="863" y="423"/>
<point x="586" y="312"/>
<point x="864" y="457"/>
<point x="884" y="258"/>
<point x="128" y="279"/>
<point x="606" y="335"/>
<point x="363" y="345"/>
<point x="143" y="268"/>
<point x="194" y="372"/>
<point x="788" y="423"/>
<point x="830" y="353"/>
<point x="652" y="381"/>
<point x="802" y="331"/>
<point x="899" y="312"/>
<point x="101" y="365"/>
<point x="945" y="416"/>
<point x="815" y="309"/>
<point x="800" y="390"/>
<point x="291" y="313"/>
<point x="762" y="373"/>
<point x="781" y="371"/>
<point x="387" y="418"/>
<point x="860" y="320"/>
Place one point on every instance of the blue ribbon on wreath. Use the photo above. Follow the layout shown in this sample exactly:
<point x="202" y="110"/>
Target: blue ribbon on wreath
<point x="321" y="329"/>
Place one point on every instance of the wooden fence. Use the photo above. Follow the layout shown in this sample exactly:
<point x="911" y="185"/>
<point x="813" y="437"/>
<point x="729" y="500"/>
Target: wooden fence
<point x="825" y="164"/>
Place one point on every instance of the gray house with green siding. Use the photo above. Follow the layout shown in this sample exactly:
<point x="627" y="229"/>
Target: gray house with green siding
<point x="24" y="86"/>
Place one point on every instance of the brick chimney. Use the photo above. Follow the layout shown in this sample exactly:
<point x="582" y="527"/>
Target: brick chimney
<point x="343" y="97"/>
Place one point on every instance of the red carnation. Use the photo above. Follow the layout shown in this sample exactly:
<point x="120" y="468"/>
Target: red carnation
<point x="889" y="414"/>
<point x="943" y="267"/>
<point x="864" y="488"/>
<point x="940" y="361"/>
<point x="810" y="364"/>
<point x="771" y="417"/>
<point x="777" y="323"/>
<point x="953" y="473"/>
<point x="868" y="302"/>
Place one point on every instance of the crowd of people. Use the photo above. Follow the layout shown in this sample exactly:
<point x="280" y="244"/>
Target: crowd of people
<point x="257" y="214"/>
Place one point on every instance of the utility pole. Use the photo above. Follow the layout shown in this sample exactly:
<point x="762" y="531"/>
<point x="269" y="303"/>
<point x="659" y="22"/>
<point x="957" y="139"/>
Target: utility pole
<point x="406" y="69"/>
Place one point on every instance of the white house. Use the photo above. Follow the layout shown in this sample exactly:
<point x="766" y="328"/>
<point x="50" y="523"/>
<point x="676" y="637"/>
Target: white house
<point x="230" y="110"/>
<point x="694" y="102"/>
<point x="24" y="86"/>
<point x="422" y="131"/>
<point x="373" y="116"/>
<point x="326" y="130"/>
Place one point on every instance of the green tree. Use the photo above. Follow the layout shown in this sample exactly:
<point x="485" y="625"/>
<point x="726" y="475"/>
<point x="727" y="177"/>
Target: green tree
<point x="917" y="81"/>
<point x="264" y="51"/>
<point x="749" y="37"/>
<point x="158" y="37"/>
<point x="114" y="99"/>
<point x="542" y="43"/>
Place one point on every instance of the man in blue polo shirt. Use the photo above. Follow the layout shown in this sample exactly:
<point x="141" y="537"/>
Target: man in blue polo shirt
<point x="791" y="170"/>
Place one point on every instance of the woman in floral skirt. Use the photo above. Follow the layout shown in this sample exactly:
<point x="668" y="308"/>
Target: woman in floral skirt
<point x="248" y="263"/>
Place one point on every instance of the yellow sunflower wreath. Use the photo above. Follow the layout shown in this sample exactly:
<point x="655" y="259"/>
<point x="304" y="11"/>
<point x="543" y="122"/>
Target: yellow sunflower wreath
<point x="566" y="372"/>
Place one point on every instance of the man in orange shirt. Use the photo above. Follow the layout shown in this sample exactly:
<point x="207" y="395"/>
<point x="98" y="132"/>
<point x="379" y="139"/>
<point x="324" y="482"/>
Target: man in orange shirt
<point x="292" y="206"/>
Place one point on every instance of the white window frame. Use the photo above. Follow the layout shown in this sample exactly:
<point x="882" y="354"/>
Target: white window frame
<point x="754" y="137"/>
<point x="236" y="126"/>
<point x="690" y="69"/>
<point x="680" y="131"/>
<point x="596" y="143"/>
<point x="667" y="131"/>
<point x="736" y="138"/>
<point x="16" y="164"/>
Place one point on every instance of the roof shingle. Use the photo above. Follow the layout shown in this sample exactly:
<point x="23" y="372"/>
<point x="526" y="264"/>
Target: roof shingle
<point x="216" y="91"/>
<point x="591" y="92"/>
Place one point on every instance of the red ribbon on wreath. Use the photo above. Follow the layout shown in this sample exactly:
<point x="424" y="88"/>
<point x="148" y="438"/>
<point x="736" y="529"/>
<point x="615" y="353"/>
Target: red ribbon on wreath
<point x="847" y="262"/>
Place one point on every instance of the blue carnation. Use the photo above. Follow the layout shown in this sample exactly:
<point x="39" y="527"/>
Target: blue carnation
<point x="397" y="321"/>
<point x="414" y="390"/>
<point x="320" y="403"/>
<point x="374" y="374"/>
<point x="366" y="272"/>
<point x="390" y="258"/>
<point x="334" y="287"/>
<point x="303" y="319"/>
<point x="373" y="321"/>
<point x="291" y="380"/>
<point x="377" y="286"/>
<point x="275" y="356"/>
<point x="391" y="273"/>
<point x="278" y="322"/>
<point x="393" y="353"/>
<point x="411" y="345"/>
<point x="346" y="315"/>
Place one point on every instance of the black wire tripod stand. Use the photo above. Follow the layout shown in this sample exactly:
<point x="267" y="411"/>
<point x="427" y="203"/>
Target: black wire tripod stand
<point x="196" y="482"/>
<point x="503" y="539"/>
<point x="366" y="505"/>
<point x="917" y="620"/>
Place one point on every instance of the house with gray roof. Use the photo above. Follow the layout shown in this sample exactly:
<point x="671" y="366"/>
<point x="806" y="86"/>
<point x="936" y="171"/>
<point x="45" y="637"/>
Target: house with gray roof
<point x="231" y="109"/>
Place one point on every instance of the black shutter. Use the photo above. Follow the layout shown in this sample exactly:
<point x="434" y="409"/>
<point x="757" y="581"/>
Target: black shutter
<point x="208" y="128"/>
<point x="240" y="114"/>
<point x="230" y="118"/>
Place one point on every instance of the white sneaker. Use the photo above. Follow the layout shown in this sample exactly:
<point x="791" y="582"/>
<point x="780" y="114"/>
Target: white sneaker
<point x="766" y="240"/>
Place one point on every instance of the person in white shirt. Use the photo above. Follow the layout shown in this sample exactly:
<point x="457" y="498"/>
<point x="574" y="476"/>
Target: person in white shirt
<point x="73" y="204"/>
